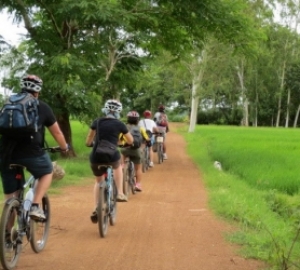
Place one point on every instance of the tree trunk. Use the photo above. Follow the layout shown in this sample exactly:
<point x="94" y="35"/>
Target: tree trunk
<point x="64" y="123"/>
<point x="280" y="94"/>
<point x="296" y="117"/>
<point x="194" y="106"/>
<point x="288" y="109"/>
<point x="240" y="73"/>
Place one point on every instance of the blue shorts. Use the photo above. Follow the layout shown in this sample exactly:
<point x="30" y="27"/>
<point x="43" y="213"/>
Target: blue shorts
<point x="37" y="166"/>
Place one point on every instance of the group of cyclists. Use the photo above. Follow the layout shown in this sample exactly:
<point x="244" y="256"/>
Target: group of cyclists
<point x="111" y="129"/>
<point x="29" y="150"/>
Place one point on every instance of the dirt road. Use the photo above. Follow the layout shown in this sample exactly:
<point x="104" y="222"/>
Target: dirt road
<point x="167" y="226"/>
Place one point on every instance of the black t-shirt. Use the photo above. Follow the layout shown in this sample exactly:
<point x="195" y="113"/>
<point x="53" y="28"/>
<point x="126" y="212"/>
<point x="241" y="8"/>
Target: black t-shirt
<point x="31" y="146"/>
<point x="109" y="129"/>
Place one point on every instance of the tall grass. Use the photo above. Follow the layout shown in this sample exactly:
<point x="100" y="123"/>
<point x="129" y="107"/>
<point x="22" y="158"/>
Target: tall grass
<point x="257" y="188"/>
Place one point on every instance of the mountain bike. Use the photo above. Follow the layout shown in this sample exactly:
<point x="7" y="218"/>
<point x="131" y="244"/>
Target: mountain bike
<point x="146" y="159"/>
<point x="159" y="140"/>
<point x="129" y="178"/>
<point x="15" y="223"/>
<point x="107" y="201"/>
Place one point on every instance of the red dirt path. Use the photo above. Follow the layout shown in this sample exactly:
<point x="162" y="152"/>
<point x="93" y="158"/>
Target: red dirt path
<point x="167" y="226"/>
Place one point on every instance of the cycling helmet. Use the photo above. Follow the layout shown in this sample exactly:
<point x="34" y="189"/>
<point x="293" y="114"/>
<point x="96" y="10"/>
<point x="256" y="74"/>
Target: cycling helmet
<point x="133" y="114"/>
<point x="147" y="114"/>
<point x="31" y="83"/>
<point x="161" y="108"/>
<point x="113" y="105"/>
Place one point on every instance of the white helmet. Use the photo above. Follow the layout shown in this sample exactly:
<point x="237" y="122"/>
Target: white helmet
<point x="113" y="106"/>
<point x="31" y="83"/>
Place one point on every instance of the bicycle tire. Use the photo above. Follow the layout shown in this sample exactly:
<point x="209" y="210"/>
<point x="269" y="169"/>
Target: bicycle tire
<point x="132" y="177"/>
<point x="159" y="153"/>
<point x="102" y="211"/>
<point x="144" y="161"/>
<point x="39" y="230"/>
<point x="126" y="185"/>
<point x="113" y="210"/>
<point x="10" y="250"/>
<point x="147" y="158"/>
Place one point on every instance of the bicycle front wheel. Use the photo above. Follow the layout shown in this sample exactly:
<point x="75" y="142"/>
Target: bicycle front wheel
<point x="102" y="211"/>
<point x="39" y="230"/>
<point x="10" y="242"/>
<point x="144" y="160"/>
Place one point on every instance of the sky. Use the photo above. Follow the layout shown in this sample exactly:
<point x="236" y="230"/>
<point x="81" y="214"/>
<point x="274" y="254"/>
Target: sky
<point x="11" y="32"/>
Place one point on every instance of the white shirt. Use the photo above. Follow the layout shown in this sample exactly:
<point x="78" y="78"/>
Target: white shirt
<point x="147" y="124"/>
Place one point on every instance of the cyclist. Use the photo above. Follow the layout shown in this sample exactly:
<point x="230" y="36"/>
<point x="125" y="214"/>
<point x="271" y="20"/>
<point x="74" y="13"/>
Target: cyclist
<point x="29" y="153"/>
<point x="161" y="120"/>
<point x="149" y="125"/>
<point x="135" y="154"/>
<point x="109" y="128"/>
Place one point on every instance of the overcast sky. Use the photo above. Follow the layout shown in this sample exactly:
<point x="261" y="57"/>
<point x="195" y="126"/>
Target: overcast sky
<point x="10" y="30"/>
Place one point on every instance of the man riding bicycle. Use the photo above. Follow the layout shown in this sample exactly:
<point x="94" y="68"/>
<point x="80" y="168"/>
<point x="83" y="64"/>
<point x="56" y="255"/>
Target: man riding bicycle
<point x="161" y="120"/>
<point x="29" y="152"/>
<point x="135" y="154"/>
<point x="148" y="124"/>
<point x="107" y="128"/>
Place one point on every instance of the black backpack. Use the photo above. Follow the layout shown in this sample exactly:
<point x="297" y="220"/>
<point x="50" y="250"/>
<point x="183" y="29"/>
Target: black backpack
<point x="19" y="115"/>
<point x="137" y="136"/>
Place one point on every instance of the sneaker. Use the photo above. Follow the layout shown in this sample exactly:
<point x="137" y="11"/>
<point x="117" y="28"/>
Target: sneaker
<point x="165" y="156"/>
<point x="36" y="213"/>
<point x="122" y="198"/>
<point x="138" y="187"/>
<point x="94" y="217"/>
<point x="151" y="164"/>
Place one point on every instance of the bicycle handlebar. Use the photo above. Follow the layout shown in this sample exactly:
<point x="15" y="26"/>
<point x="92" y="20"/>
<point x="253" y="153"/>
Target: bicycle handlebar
<point x="53" y="149"/>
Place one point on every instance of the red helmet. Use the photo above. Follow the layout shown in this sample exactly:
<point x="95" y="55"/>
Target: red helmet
<point x="161" y="108"/>
<point x="133" y="114"/>
<point x="147" y="113"/>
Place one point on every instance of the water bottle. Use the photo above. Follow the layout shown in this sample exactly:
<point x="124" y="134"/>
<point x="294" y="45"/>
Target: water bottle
<point x="28" y="199"/>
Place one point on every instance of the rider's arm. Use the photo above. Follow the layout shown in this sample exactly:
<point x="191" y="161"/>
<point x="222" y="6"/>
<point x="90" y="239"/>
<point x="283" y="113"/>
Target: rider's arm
<point x="58" y="136"/>
<point x="90" y="138"/>
<point x="144" y="134"/>
<point x="128" y="138"/>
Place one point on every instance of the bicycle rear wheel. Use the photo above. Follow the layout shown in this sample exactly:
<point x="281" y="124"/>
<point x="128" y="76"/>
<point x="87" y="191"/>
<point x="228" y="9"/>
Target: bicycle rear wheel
<point x="132" y="180"/>
<point x="39" y="230"/>
<point x="160" y="153"/>
<point x="144" y="160"/>
<point x="10" y="243"/>
<point x="102" y="211"/>
<point x="113" y="204"/>
<point x="126" y="185"/>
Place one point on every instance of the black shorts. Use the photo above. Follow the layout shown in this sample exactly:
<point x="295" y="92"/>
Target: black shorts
<point x="99" y="169"/>
<point x="37" y="166"/>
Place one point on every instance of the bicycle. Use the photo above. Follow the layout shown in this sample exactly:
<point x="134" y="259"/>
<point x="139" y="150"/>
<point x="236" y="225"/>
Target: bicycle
<point x="146" y="159"/>
<point x="129" y="178"/>
<point x="107" y="201"/>
<point x="15" y="222"/>
<point x="159" y="140"/>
